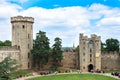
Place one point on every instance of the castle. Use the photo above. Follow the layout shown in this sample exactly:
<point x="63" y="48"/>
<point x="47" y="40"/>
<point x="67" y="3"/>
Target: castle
<point x="90" y="53"/>
<point x="89" y="56"/>
<point x="22" y="41"/>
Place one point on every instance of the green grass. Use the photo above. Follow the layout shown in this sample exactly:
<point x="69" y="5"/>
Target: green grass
<point x="74" y="77"/>
<point x="109" y="71"/>
<point x="18" y="73"/>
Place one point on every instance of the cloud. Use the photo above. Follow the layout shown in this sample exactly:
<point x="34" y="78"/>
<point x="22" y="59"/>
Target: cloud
<point x="65" y="22"/>
<point x="6" y="11"/>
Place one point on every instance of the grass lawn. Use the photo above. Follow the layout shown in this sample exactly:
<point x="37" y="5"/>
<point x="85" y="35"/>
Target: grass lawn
<point x="18" y="73"/>
<point x="74" y="77"/>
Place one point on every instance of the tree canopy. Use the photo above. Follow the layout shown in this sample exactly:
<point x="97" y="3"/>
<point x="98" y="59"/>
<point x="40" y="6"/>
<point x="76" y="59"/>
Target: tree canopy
<point x="57" y="55"/>
<point x="5" y="43"/>
<point x="6" y="66"/>
<point x="110" y="45"/>
<point x="41" y="50"/>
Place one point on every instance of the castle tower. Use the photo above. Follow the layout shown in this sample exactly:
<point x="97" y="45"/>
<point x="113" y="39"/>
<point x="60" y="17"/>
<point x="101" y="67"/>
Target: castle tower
<point x="89" y="53"/>
<point x="22" y="37"/>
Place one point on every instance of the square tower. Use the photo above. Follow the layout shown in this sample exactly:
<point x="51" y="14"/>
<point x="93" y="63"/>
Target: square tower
<point x="22" y="37"/>
<point x="89" y="53"/>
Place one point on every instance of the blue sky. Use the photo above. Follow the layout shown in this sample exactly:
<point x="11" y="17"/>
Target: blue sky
<point x="64" y="3"/>
<point x="64" y="18"/>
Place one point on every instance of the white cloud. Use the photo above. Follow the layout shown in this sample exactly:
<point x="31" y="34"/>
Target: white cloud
<point x="66" y="22"/>
<point x="6" y="11"/>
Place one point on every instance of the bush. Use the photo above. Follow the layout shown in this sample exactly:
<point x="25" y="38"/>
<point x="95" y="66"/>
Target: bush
<point x="19" y="74"/>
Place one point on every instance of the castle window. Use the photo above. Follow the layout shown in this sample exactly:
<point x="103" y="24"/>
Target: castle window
<point x="91" y="44"/>
<point x="84" y="67"/>
<point x="28" y="65"/>
<point x="90" y="60"/>
<point x="23" y="26"/>
<point x="90" y="50"/>
<point x="83" y="54"/>
<point x="90" y="55"/>
<point x="28" y="55"/>
<point x="18" y="47"/>
<point x="28" y="46"/>
<point x="28" y="36"/>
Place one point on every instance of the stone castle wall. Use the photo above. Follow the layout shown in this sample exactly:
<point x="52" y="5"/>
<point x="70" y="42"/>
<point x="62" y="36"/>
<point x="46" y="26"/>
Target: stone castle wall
<point x="70" y="60"/>
<point x="11" y="51"/>
<point x="110" y="60"/>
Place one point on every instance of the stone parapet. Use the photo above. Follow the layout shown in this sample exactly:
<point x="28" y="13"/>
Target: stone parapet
<point x="22" y="19"/>
<point x="9" y="48"/>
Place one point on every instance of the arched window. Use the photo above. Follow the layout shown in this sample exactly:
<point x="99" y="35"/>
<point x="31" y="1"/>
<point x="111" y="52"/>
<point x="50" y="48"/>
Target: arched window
<point x="23" y="26"/>
<point x="91" y="44"/>
<point x="90" y="50"/>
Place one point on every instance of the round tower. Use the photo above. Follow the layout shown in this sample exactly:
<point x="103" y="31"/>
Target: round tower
<point x="22" y="37"/>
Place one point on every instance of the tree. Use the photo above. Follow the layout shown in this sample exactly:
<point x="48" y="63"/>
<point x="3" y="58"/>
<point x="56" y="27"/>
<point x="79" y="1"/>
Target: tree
<point x="7" y="43"/>
<point x="57" y="55"/>
<point x="6" y="66"/>
<point x="103" y="47"/>
<point x="112" y="45"/>
<point x="41" y="50"/>
<point x="77" y="48"/>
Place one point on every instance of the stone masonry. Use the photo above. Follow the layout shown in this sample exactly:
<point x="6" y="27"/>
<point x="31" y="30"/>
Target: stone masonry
<point x="89" y="56"/>
<point x="22" y="37"/>
<point x="89" y="53"/>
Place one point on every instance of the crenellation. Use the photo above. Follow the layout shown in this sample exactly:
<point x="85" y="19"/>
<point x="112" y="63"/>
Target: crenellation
<point x="22" y="19"/>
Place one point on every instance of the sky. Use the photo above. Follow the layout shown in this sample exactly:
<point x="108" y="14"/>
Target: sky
<point x="64" y="18"/>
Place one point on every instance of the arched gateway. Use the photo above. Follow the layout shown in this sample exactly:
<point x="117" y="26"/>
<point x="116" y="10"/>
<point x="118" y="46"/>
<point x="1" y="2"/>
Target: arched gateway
<point x="90" y="67"/>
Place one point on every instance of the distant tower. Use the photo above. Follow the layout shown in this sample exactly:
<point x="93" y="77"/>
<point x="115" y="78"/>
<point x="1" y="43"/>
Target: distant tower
<point x="90" y="53"/>
<point x="22" y="37"/>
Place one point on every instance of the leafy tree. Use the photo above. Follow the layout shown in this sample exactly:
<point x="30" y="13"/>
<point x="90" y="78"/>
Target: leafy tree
<point x="7" y="43"/>
<point x="1" y="43"/>
<point x="77" y="48"/>
<point x="41" y="50"/>
<point x="112" y="45"/>
<point x="57" y="53"/>
<point x="103" y="47"/>
<point x="6" y="66"/>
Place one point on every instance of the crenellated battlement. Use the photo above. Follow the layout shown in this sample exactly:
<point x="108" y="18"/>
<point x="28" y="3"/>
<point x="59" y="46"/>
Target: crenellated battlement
<point x="22" y="19"/>
<point x="93" y="36"/>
